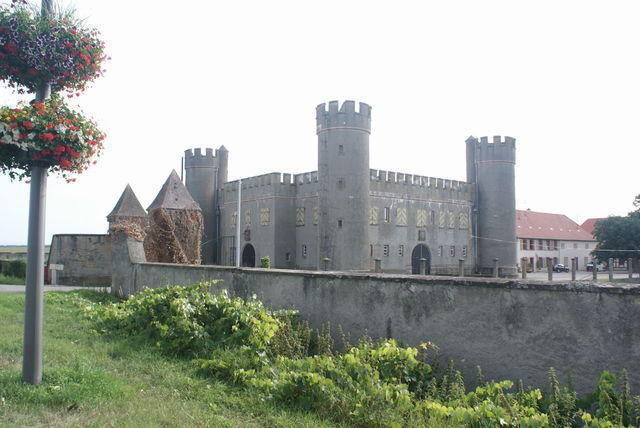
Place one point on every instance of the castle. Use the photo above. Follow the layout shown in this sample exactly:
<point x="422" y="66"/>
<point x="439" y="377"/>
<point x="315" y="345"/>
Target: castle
<point x="345" y="216"/>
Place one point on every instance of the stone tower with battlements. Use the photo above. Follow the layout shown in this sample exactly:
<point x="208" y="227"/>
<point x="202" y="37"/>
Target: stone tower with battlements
<point x="343" y="184"/>
<point x="491" y="167"/>
<point x="205" y="173"/>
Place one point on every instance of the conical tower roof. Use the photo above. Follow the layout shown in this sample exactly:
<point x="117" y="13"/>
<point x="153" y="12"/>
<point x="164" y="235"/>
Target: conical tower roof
<point x="174" y="195"/>
<point x="127" y="206"/>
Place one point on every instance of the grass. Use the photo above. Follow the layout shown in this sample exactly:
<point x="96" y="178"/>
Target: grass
<point x="11" y="280"/>
<point x="91" y="380"/>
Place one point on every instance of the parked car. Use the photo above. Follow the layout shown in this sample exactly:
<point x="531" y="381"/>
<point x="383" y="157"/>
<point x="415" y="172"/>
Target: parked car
<point x="599" y="266"/>
<point x="560" y="268"/>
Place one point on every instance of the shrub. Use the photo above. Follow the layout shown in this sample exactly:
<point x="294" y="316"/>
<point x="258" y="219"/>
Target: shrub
<point x="265" y="262"/>
<point x="17" y="269"/>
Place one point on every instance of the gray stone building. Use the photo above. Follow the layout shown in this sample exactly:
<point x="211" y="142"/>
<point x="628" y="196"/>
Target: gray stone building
<point x="346" y="215"/>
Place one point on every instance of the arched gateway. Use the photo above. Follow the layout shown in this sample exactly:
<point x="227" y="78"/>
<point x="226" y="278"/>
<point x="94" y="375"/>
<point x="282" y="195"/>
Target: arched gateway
<point x="249" y="256"/>
<point x="420" y="252"/>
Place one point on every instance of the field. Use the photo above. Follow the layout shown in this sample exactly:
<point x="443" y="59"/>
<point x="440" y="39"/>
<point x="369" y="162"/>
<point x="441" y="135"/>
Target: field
<point x="90" y="380"/>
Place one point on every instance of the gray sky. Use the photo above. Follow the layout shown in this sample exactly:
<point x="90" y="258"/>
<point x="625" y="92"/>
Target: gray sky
<point x="562" y="77"/>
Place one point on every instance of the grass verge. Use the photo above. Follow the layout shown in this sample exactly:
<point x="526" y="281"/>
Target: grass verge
<point x="92" y="380"/>
<point x="11" y="280"/>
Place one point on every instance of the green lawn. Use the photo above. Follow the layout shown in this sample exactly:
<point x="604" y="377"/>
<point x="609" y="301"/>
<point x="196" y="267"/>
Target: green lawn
<point x="10" y="280"/>
<point x="90" y="380"/>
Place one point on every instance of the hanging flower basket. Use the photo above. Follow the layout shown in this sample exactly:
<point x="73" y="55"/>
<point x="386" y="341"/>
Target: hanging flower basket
<point x="55" y="49"/>
<point x="47" y="133"/>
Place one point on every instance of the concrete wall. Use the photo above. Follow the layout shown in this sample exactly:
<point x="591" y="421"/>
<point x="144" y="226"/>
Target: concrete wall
<point x="86" y="259"/>
<point x="512" y="329"/>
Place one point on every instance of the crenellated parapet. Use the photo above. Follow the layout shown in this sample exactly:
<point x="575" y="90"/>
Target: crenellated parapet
<point x="414" y="180"/>
<point x="332" y="116"/>
<point x="497" y="149"/>
<point x="195" y="158"/>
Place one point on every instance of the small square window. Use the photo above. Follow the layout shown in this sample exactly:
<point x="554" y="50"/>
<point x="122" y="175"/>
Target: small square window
<point x="385" y="250"/>
<point x="422" y="235"/>
<point x="464" y="251"/>
<point x="371" y="250"/>
<point x="341" y="149"/>
<point x="340" y="183"/>
<point x="304" y="251"/>
<point x="401" y="250"/>
<point x="287" y="257"/>
<point x="387" y="214"/>
<point x="452" y="251"/>
<point x="340" y="224"/>
<point x="440" y="252"/>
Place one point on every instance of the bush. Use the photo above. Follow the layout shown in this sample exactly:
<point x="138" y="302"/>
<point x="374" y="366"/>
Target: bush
<point x="265" y="262"/>
<point x="17" y="269"/>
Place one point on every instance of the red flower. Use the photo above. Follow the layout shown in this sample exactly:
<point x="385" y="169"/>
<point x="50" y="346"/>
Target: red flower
<point x="48" y="126"/>
<point x="27" y="125"/>
<point x="50" y="137"/>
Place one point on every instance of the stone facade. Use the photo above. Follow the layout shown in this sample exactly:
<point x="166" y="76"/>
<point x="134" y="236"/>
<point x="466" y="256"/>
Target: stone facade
<point x="346" y="215"/>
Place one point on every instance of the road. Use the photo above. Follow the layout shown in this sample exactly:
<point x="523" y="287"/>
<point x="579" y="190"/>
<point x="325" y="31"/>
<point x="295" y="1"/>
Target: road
<point x="6" y="288"/>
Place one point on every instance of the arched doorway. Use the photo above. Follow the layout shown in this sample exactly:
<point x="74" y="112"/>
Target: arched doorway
<point x="249" y="256"/>
<point x="420" y="252"/>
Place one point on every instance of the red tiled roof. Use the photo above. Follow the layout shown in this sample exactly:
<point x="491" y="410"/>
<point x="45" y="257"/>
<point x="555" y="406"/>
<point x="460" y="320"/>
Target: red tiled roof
<point x="531" y="224"/>
<point x="590" y="224"/>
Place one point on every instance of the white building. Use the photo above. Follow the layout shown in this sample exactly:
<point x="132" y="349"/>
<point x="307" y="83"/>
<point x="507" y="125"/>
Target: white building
<point x="556" y="236"/>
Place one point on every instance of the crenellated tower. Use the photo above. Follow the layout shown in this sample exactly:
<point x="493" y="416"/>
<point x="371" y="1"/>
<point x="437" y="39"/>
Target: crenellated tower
<point x="491" y="166"/>
<point x="343" y="178"/>
<point x="205" y="173"/>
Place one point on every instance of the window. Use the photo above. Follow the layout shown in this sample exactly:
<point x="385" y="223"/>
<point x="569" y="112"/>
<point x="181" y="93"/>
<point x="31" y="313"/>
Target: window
<point x="401" y="250"/>
<point x="452" y="219"/>
<point x="373" y="216"/>
<point x="422" y="235"/>
<point x="264" y="216"/>
<point x="452" y="251"/>
<point x="385" y="250"/>
<point x="555" y="245"/>
<point x="340" y="224"/>
<point x="387" y="214"/>
<point x="340" y="149"/>
<point x="287" y="257"/>
<point x="247" y="218"/>
<point x="371" y="250"/>
<point x="421" y="218"/>
<point x="440" y="251"/>
<point x="304" y="251"/>
<point x="562" y="245"/>
<point x="442" y="221"/>
<point x="539" y="244"/>
<point x="432" y="214"/>
<point x="234" y="219"/>
<point x="523" y="244"/>
<point x="575" y="245"/>
<point x="464" y="251"/>
<point x="548" y="244"/>
<point x="300" y="216"/>
<point x="340" y="183"/>
<point x="401" y="216"/>
<point x="316" y="215"/>
<point x="232" y="256"/>
<point x="586" y="245"/>
<point x="464" y="221"/>
<point x="532" y="244"/>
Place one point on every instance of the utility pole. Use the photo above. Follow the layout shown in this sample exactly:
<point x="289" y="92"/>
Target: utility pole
<point x="34" y="302"/>
<point x="238" y="223"/>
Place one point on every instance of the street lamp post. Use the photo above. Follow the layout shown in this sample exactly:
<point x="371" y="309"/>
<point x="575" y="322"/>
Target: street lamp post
<point x="34" y="302"/>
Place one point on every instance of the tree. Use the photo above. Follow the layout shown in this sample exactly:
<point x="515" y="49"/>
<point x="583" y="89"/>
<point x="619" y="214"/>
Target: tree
<point x="619" y="237"/>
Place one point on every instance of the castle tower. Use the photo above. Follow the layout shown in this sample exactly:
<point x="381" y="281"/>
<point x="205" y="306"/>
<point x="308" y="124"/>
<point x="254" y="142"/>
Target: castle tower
<point x="128" y="209"/>
<point x="204" y="175"/>
<point x="491" y="166"/>
<point x="175" y="225"/>
<point x="343" y="178"/>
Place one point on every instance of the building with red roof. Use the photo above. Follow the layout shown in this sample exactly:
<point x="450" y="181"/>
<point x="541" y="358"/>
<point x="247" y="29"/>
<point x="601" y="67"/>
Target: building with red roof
<point x="543" y="236"/>
<point x="590" y="224"/>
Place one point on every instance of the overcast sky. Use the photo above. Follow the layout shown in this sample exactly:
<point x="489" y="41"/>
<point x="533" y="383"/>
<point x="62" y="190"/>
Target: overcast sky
<point x="562" y="77"/>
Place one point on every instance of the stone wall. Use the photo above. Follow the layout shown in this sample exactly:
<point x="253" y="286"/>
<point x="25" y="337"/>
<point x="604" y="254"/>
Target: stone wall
<point x="512" y="329"/>
<point x="86" y="259"/>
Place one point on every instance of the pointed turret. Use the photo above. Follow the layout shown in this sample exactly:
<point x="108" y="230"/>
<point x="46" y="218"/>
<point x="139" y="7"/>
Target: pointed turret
<point x="175" y="225"/>
<point x="174" y="196"/>
<point x="128" y="208"/>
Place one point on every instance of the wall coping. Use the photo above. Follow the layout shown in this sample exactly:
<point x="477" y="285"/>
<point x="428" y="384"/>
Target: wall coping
<point x="514" y="284"/>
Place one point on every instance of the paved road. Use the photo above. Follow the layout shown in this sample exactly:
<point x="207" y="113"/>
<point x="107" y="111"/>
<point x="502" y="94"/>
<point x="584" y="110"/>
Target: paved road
<point x="5" y="288"/>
